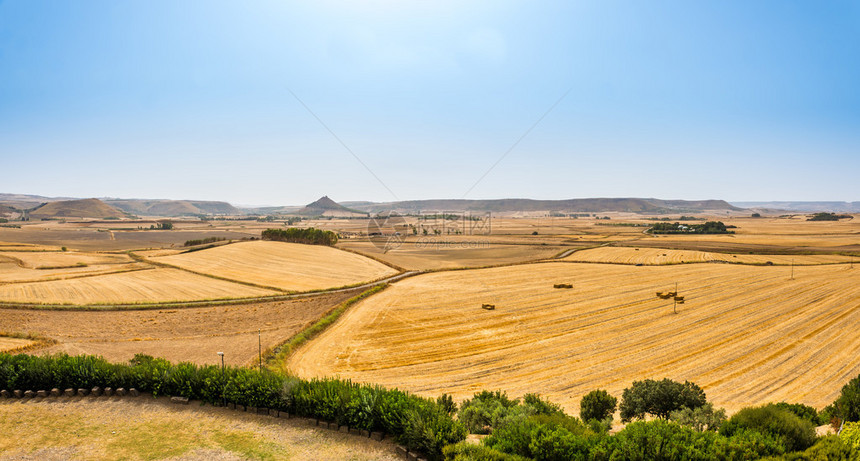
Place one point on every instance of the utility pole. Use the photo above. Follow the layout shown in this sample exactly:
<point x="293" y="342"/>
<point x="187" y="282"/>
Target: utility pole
<point x="675" y="299"/>
<point x="223" y="382"/>
<point x="260" y="345"/>
<point x="792" y="268"/>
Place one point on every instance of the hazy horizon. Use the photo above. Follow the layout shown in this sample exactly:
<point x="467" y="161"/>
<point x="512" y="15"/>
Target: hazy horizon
<point x="279" y="103"/>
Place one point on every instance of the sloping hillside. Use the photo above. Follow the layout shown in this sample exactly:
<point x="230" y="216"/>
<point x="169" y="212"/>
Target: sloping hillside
<point x="590" y="205"/>
<point x="328" y="207"/>
<point x="85" y="208"/>
<point x="173" y="207"/>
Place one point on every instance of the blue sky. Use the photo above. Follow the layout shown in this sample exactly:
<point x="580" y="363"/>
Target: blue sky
<point x="735" y="100"/>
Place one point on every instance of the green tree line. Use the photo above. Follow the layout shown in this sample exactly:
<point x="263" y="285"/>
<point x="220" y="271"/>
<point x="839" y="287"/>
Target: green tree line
<point x="308" y="235"/>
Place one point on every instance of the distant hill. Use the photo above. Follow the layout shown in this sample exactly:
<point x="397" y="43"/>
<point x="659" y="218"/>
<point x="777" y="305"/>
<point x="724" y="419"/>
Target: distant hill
<point x="7" y="211"/>
<point x="327" y="207"/>
<point x="24" y="201"/>
<point x="840" y="207"/>
<point x="86" y="208"/>
<point x="590" y="205"/>
<point x="173" y="207"/>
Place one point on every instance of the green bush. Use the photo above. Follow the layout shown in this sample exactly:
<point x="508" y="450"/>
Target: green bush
<point x="537" y="406"/>
<point x="447" y="403"/>
<point x="703" y="418"/>
<point x="803" y="411"/>
<point x="597" y="405"/>
<point x="794" y="433"/>
<point x="465" y="451"/>
<point x="658" y="440"/>
<point x="666" y="440"/>
<point x="514" y="436"/>
<point x="309" y="236"/>
<point x="831" y="448"/>
<point x="559" y="444"/>
<point x="847" y="405"/>
<point x="485" y="410"/>
<point x="850" y="434"/>
<point x="420" y="424"/>
<point x="659" y="398"/>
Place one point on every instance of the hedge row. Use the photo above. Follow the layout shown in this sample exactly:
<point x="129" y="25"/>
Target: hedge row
<point x="307" y="235"/>
<point x="418" y="423"/>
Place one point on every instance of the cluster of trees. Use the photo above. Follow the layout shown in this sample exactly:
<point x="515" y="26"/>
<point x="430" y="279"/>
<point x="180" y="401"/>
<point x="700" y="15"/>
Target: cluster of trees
<point x="829" y="217"/>
<point x="161" y="225"/>
<point x="668" y="420"/>
<point x="194" y="242"/>
<point x="710" y="227"/>
<point x="308" y="236"/>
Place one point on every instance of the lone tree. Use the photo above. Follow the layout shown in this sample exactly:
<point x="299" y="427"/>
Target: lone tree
<point x="659" y="398"/>
<point x="597" y="405"/>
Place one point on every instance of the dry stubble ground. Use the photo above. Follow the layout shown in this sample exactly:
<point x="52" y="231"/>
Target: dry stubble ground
<point x="188" y="334"/>
<point x="746" y="334"/>
<point x="108" y="428"/>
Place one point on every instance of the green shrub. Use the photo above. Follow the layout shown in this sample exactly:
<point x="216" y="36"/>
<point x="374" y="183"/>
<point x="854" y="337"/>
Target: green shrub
<point x="597" y="405"/>
<point x="831" y="448"/>
<point x="847" y="405"/>
<point x="538" y="406"/>
<point x="850" y="434"/>
<point x="447" y="403"/>
<point x="659" y="440"/>
<point x="703" y="418"/>
<point x="794" y="433"/>
<point x="420" y="424"/>
<point x="659" y="398"/>
<point x="514" y="436"/>
<point x="569" y="423"/>
<point x="745" y="444"/>
<point x="803" y="412"/>
<point x="485" y="410"/>
<point x="465" y="451"/>
<point x="558" y="444"/>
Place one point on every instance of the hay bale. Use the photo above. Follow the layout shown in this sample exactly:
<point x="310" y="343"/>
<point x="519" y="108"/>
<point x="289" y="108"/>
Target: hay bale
<point x="489" y="307"/>
<point x="679" y="298"/>
<point x="562" y="285"/>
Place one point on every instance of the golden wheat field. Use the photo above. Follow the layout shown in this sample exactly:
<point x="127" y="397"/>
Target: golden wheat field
<point x="452" y="253"/>
<point x="8" y="344"/>
<point x="656" y="256"/>
<point x="61" y="259"/>
<point x="140" y="286"/>
<point x="288" y="266"/>
<point x="746" y="334"/>
<point x="11" y="272"/>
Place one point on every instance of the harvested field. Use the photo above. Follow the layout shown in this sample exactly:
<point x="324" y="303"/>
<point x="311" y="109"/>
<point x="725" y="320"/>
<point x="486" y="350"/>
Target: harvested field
<point x="12" y="272"/>
<point x="109" y="428"/>
<point x="657" y="256"/>
<point x="60" y="259"/>
<point x="142" y="286"/>
<point x="746" y="334"/>
<point x="289" y="266"/>
<point x="452" y="253"/>
<point x="8" y="344"/>
<point x="186" y="334"/>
